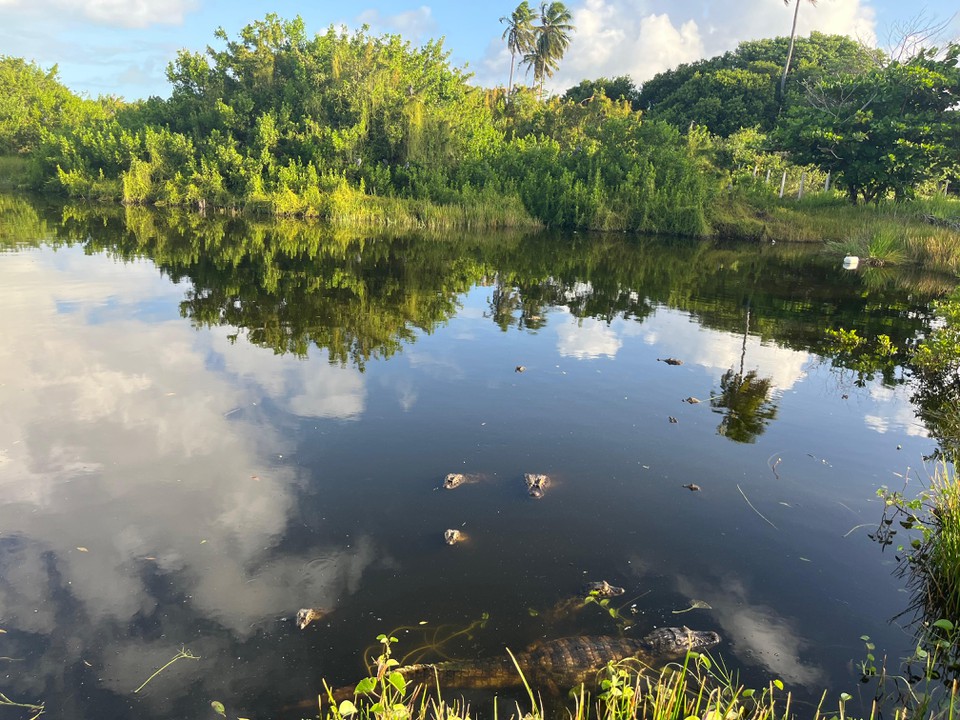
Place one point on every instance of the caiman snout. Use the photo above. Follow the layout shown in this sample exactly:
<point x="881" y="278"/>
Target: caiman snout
<point x="677" y="641"/>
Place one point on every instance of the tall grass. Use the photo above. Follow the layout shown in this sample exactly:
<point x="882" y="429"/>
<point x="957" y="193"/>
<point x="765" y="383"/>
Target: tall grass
<point x="627" y="690"/>
<point x="922" y="232"/>
<point x="938" y="558"/>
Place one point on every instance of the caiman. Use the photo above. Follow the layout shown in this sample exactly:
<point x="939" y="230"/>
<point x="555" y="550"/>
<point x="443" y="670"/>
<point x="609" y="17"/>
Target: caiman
<point x="557" y="664"/>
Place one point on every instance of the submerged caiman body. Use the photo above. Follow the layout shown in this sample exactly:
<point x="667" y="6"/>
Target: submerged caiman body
<point x="562" y="663"/>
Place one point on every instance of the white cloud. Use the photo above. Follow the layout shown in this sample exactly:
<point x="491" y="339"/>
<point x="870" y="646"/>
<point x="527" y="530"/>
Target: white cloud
<point x="114" y="13"/>
<point x="314" y="389"/>
<point x="135" y="14"/>
<point x="895" y="412"/>
<point x="643" y="37"/>
<point x="756" y="630"/>
<point x="722" y="351"/>
<point x="587" y="338"/>
<point x="416" y="25"/>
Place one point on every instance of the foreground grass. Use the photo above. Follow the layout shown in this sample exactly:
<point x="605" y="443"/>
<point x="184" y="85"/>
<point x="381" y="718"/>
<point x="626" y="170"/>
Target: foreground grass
<point x="694" y="689"/>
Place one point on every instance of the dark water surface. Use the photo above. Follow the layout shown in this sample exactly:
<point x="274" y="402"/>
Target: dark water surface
<point x="206" y="425"/>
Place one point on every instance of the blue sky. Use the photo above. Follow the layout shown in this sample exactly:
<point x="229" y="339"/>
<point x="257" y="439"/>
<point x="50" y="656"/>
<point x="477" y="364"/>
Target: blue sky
<point x="123" y="46"/>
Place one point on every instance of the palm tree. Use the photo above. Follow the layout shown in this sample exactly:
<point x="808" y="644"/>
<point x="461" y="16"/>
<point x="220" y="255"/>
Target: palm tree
<point x="519" y="34"/>
<point x="793" y="37"/>
<point x="552" y="39"/>
<point x="745" y="398"/>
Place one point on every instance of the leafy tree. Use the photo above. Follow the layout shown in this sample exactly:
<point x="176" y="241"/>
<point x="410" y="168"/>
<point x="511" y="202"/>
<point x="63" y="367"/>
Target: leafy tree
<point x="519" y="34"/>
<point x="552" y="37"/>
<point x="883" y="131"/>
<point x="793" y="36"/>
<point x="618" y="88"/>
<point x="275" y="122"/>
<point x="33" y="100"/>
<point x="739" y="88"/>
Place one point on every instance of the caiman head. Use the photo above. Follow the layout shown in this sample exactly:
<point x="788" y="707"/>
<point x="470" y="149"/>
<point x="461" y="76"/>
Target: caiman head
<point x="675" y="642"/>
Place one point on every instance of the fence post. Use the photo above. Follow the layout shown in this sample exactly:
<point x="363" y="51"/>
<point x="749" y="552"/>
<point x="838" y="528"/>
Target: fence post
<point x="803" y="176"/>
<point x="783" y="184"/>
<point x="768" y="175"/>
<point x="826" y="187"/>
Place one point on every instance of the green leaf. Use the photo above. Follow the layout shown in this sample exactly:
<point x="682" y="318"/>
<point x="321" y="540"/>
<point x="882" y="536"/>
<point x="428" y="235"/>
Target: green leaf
<point x="778" y="684"/>
<point x="218" y="708"/>
<point x="845" y="697"/>
<point x="366" y="686"/>
<point x="944" y="624"/>
<point x="347" y="708"/>
<point x="396" y="679"/>
<point x="748" y="693"/>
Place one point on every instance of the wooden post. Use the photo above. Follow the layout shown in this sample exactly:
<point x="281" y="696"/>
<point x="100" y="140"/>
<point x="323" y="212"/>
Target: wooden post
<point x="783" y="184"/>
<point x="768" y="175"/>
<point x="803" y="176"/>
<point x="756" y="169"/>
<point x="826" y="186"/>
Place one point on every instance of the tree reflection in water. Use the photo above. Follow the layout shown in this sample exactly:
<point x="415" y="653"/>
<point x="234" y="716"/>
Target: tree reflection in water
<point x="744" y="399"/>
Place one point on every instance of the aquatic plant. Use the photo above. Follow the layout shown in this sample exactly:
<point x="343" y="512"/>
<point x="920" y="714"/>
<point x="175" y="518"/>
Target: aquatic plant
<point x="930" y="564"/>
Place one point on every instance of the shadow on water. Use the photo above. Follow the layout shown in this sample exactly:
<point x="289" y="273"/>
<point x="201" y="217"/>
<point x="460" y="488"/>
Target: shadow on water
<point x="240" y="419"/>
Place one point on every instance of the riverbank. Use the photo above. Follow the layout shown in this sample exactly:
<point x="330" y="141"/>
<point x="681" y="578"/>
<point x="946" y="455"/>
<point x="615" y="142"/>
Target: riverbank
<point x="923" y="232"/>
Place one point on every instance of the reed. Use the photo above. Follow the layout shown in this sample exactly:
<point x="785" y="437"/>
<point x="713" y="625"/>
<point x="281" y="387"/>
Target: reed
<point x="939" y="554"/>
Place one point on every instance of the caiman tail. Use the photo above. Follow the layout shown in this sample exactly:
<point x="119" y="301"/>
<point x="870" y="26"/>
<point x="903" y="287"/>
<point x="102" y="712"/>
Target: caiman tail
<point x="562" y="663"/>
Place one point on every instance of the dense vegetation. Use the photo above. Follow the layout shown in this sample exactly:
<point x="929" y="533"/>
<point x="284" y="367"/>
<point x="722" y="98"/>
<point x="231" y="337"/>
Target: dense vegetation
<point x="358" y="128"/>
<point x="361" y="129"/>
<point x="740" y="88"/>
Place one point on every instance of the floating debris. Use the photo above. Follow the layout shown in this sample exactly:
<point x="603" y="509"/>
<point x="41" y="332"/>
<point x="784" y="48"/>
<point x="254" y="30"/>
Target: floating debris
<point x="452" y="537"/>
<point x="672" y="419"/>
<point x="695" y="605"/>
<point x="692" y="400"/>
<point x="670" y="361"/>
<point x="692" y="487"/>
<point x="755" y="510"/>
<point x="520" y="368"/>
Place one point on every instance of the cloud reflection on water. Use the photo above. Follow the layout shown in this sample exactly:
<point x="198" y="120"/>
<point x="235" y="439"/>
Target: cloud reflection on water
<point x="127" y="474"/>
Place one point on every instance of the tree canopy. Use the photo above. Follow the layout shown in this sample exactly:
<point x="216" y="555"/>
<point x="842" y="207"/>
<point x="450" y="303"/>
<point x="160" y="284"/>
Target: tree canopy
<point x="739" y="88"/>
<point x="885" y="130"/>
<point x="33" y="99"/>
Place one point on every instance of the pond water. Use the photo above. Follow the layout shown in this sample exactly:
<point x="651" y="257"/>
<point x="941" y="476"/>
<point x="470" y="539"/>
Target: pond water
<point x="206" y="424"/>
